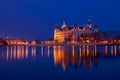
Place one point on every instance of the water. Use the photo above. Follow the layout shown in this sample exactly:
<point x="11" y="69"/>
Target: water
<point x="60" y="62"/>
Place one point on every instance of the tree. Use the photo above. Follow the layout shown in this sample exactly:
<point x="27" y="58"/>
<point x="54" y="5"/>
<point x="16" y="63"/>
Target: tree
<point x="37" y="40"/>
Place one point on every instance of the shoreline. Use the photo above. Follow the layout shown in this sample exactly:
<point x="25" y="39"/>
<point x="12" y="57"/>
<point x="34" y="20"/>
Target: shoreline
<point x="75" y="44"/>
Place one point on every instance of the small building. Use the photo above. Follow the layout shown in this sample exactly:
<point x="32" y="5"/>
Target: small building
<point x="49" y="41"/>
<point x="33" y="43"/>
<point x="15" y="42"/>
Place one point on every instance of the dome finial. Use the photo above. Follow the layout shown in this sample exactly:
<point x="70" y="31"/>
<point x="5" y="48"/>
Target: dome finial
<point x="64" y="25"/>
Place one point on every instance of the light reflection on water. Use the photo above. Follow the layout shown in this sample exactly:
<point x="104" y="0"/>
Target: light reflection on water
<point x="62" y="55"/>
<point x="19" y="52"/>
<point x="82" y="55"/>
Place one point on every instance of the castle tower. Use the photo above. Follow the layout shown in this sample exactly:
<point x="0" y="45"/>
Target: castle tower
<point x="96" y="28"/>
<point x="56" y="30"/>
<point x="89" y="25"/>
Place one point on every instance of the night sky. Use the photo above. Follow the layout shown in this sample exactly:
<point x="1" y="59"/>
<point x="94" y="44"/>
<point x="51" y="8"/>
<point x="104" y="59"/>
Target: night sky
<point x="37" y="18"/>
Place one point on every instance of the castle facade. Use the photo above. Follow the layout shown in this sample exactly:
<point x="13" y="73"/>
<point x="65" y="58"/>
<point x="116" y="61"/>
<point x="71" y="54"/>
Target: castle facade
<point x="76" y="33"/>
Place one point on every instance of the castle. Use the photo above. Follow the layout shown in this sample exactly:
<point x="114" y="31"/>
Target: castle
<point x="76" y="33"/>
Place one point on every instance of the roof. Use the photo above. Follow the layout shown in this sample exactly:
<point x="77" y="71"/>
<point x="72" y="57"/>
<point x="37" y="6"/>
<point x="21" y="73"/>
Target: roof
<point x="70" y="28"/>
<point x="56" y="27"/>
<point x="81" y="27"/>
<point x="14" y="40"/>
<point x="50" y="39"/>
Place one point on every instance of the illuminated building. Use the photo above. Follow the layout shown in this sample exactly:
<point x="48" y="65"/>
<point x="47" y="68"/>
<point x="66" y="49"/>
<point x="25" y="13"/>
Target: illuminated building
<point x="75" y="33"/>
<point x="15" y="42"/>
<point x="49" y="41"/>
<point x="33" y="43"/>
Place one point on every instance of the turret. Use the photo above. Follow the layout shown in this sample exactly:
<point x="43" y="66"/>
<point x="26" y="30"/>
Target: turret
<point x="89" y="25"/>
<point x="96" y="28"/>
<point x="56" y="27"/>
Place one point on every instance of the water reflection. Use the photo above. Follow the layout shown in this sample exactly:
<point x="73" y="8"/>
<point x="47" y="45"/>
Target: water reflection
<point x="34" y="51"/>
<point x="42" y="51"/>
<point x="19" y="52"/>
<point x="64" y="56"/>
<point x="86" y="56"/>
<point x="48" y="51"/>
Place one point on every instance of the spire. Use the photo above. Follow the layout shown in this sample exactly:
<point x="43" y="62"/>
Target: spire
<point x="56" y="26"/>
<point x="89" y="20"/>
<point x="96" y="28"/>
<point x="89" y="23"/>
<point x="64" y="25"/>
<point x="75" y="24"/>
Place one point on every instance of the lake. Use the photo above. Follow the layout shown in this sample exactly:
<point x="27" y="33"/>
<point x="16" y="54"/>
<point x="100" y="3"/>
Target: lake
<point x="60" y="62"/>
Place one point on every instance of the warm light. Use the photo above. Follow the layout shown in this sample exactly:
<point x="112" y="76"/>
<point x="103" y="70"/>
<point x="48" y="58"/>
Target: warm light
<point x="80" y="51"/>
<point x="83" y="50"/>
<point x="48" y="51"/>
<point x="26" y="55"/>
<point x="22" y="51"/>
<point x="115" y="50"/>
<point x="14" y="52"/>
<point x="34" y="51"/>
<point x="95" y="50"/>
<point x="87" y="50"/>
<point x="7" y="53"/>
<point x="18" y="52"/>
<point x="105" y="50"/>
<point x="33" y="43"/>
<point x="65" y="57"/>
<point x="11" y="52"/>
<point x="73" y="52"/>
<point x="87" y="41"/>
<point x="42" y="51"/>
<point x="119" y="41"/>
<point x="115" y="40"/>
<point x="112" y="50"/>
<point x="105" y="42"/>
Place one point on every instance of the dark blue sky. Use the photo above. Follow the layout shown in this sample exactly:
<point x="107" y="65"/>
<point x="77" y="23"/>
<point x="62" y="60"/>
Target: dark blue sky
<point x="37" y="18"/>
